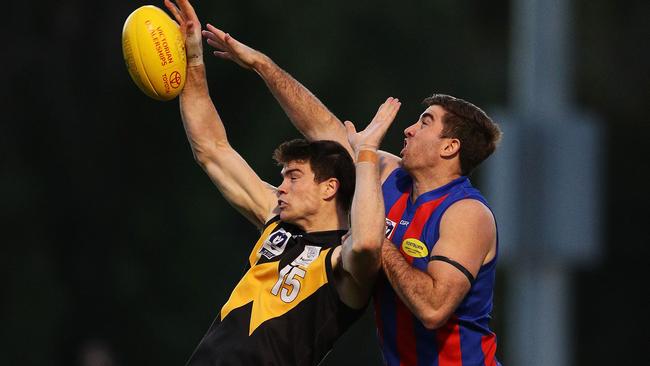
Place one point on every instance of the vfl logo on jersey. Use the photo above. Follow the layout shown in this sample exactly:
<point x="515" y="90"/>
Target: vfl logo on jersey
<point x="390" y="227"/>
<point x="275" y="244"/>
<point x="414" y="248"/>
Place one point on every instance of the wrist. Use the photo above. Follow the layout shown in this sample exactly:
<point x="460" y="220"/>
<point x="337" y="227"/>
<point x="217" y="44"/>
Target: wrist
<point x="262" y="64"/>
<point x="367" y="155"/>
<point x="365" y="146"/>
<point x="195" y="60"/>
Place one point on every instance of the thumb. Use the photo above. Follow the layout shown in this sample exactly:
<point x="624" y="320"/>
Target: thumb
<point x="349" y="127"/>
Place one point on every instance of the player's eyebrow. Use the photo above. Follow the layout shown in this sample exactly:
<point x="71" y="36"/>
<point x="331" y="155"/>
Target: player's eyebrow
<point x="289" y="171"/>
<point x="427" y="115"/>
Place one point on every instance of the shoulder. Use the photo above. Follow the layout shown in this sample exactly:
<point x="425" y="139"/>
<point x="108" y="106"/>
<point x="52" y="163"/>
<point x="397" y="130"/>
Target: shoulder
<point x="470" y="208"/>
<point x="387" y="164"/>
<point x="468" y="213"/>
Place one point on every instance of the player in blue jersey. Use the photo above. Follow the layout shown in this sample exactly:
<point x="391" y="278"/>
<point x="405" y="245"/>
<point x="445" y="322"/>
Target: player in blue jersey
<point x="433" y="304"/>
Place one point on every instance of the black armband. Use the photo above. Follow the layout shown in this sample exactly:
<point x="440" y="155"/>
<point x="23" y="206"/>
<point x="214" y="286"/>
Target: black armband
<point x="458" y="266"/>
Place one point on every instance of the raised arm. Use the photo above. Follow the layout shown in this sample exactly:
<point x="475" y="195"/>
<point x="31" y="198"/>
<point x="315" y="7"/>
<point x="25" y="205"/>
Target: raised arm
<point x="360" y="255"/>
<point x="238" y="183"/>
<point x="305" y="111"/>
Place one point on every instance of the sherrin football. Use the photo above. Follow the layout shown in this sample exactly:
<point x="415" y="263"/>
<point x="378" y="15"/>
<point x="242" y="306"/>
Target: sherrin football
<point x="154" y="52"/>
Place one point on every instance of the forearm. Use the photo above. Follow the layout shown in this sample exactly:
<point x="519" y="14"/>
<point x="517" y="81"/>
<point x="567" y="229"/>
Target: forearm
<point x="305" y="111"/>
<point x="416" y="289"/>
<point x="367" y="212"/>
<point x="234" y="178"/>
<point x="203" y="126"/>
<point x="362" y="253"/>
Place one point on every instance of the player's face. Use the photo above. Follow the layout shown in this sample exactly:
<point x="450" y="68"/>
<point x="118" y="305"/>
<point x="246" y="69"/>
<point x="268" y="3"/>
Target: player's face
<point x="422" y="142"/>
<point x="299" y="195"/>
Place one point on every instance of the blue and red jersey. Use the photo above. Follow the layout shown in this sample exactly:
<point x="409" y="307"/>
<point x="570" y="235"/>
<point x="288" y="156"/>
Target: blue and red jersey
<point x="466" y="339"/>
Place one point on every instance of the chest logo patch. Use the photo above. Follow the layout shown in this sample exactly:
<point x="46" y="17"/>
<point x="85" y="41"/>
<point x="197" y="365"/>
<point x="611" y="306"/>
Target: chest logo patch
<point x="275" y="244"/>
<point x="390" y="227"/>
<point x="414" y="248"/>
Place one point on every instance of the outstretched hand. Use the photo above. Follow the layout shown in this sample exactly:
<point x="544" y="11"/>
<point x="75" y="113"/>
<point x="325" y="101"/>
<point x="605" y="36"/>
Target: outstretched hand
<point x="231" y="49"/>
<point x="190" y="28"/>
<point x="373" y="134"/>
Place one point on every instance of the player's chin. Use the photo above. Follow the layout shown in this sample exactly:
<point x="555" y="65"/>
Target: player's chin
<point x="285" y="215"/>
<point x="406" y="162"/>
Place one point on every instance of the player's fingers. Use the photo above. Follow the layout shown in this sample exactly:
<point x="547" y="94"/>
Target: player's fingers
<point x="393" y="112"/>
<point x="209" y="36"/>
<point x="218" y="45"/>
<point x="175" y="12"/>
<point x="216" y="31"/>
<point x="394" y="106"/>
<point x="230" y="40"/>
<point x="187" y="8"/>
<point x="223" y="55"/>
<point x="349" y="127"/>
<point x="389" y="110"/>
<point x="381" y="111"/>
<point x="391" y="105"/>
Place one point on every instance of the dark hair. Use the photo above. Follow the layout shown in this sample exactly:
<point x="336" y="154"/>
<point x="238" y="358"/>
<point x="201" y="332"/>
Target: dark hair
<point x="328" y="159"/>
<point x="478" y="134"/>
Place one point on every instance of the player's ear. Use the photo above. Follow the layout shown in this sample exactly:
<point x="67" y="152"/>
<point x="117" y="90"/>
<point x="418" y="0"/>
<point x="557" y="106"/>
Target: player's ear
<point x="450" y="147"/>
<point x="329" y="187"/>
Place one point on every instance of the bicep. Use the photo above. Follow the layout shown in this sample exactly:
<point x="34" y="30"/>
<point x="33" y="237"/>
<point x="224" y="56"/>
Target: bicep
<point x="241" y="186"/>
<point x="467" y="235"/>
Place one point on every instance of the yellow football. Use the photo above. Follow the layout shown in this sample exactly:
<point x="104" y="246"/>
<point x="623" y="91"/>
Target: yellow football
<point x="154" y="52"/>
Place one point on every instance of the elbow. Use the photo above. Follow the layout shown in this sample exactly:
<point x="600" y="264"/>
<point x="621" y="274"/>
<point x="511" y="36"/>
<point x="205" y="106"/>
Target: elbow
<point x="201" y="158"/>
<point x="204" y="154"/>
<point x="367" y="246"/>
<point x="434" y="319"/>
<point x="366" y="254"/>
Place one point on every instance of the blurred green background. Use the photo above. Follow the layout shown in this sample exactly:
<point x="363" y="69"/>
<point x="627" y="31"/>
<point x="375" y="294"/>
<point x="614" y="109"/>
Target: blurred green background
<point x="116" y="248"/>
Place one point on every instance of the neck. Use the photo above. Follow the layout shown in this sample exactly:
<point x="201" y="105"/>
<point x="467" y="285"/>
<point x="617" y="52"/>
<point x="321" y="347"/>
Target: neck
<point x="324" y="220"/>
<point x="428" y="180"/>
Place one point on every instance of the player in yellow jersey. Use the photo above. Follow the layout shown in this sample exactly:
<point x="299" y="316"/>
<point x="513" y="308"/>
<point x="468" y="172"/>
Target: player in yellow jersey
<point x="305" y="284"/>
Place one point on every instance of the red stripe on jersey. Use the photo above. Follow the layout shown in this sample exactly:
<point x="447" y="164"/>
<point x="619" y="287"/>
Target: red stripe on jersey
<point x="396" y="212"/>
<point x="448" y="340"/>
<point x="406" y="341"/>
<point x="420" y="218"/>
<point x="489" y="347"/>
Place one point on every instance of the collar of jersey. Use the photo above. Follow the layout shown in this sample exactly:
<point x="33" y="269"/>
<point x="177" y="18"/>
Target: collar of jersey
<point x="438" y="192"/>
<point x="326" y="238"/>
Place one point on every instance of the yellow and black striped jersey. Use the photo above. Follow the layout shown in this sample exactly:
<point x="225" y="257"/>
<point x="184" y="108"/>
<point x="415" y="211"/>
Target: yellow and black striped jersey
<point x="285" y="310"/>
